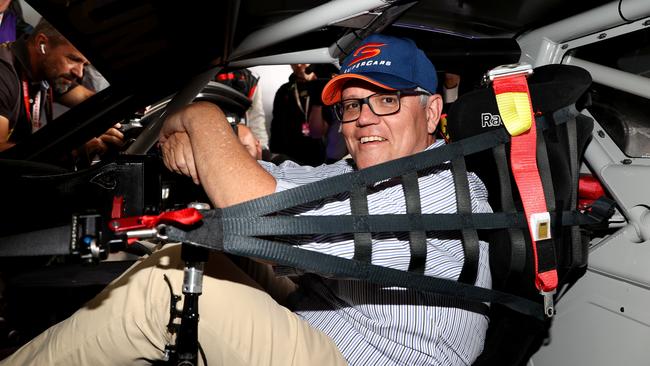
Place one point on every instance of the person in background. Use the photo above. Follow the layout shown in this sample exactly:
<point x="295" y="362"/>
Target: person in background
<point x="12" y="24"/>
<point x="450" y="86"/>
<point x="35" y="71"/>
<point x="290" y="129"/>
<point x="323" y="123"/>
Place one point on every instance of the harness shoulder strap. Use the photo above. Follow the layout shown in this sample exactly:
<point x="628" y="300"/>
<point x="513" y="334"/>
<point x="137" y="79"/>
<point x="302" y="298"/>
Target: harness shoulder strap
<point x="513" y="100"/>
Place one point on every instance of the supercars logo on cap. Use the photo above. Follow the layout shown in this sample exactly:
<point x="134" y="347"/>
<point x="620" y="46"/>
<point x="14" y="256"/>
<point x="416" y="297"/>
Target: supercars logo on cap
<point x="366" y="51"/>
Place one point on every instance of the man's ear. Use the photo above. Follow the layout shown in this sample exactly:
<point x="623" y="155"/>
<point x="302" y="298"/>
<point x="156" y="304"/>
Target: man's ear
<point x="433" y="110"/>
<point x="41" y="39"/>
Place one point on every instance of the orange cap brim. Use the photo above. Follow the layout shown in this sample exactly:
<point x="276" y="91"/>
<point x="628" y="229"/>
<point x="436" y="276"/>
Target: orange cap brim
<point x="332" y="91"/>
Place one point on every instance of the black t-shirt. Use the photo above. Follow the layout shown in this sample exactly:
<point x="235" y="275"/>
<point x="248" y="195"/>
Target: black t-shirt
<point x="286" y="128"/>
<point x="9" y="90"/>
<point x="12" y="101"/>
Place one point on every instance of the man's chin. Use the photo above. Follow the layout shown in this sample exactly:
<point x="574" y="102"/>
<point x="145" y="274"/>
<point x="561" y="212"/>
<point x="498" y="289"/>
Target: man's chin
<point x="363" y="163"/>
<point x="61" y="86"/>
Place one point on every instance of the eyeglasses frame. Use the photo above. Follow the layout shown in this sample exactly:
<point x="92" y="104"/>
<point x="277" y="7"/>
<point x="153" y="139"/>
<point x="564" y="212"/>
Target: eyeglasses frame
<point x="366" y="100"/>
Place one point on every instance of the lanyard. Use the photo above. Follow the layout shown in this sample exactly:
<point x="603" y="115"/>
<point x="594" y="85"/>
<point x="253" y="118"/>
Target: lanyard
<point x="34" y="115"/>
<point x="305" y="110"/>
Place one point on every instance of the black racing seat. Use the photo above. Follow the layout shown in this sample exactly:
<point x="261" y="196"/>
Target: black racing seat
<point x="557" y="94"/>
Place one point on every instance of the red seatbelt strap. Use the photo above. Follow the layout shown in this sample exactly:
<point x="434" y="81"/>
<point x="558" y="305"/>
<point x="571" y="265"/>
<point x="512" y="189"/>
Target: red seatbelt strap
<point x="515" y="108"/>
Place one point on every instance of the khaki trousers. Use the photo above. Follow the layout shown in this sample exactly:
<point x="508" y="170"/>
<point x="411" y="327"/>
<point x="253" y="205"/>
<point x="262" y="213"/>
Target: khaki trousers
<point x="240" y="323"/>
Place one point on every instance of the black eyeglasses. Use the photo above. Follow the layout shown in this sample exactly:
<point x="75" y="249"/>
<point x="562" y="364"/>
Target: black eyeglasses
<point x="381" y="104"/>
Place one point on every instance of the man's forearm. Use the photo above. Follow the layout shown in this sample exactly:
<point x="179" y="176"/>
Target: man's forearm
<point x="75" y="96"/>
<point x="227" y="172"/>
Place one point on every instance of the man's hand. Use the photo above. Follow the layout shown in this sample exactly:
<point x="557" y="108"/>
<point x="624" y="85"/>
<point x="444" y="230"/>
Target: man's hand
<point x="175" y="142"/>
<point x="178" y="156"/>
<point x="198" y="141"/>
<point x="99" y="145"/>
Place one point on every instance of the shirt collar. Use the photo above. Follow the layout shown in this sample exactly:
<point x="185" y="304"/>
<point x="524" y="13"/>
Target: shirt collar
<point x="436" y="144"/>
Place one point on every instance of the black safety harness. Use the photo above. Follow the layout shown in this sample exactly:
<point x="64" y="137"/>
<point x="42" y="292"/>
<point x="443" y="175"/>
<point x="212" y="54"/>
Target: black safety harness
<point x="246" y="229"/>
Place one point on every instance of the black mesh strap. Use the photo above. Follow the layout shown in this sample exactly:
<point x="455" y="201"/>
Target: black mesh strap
<point x="241" y="229"/>
<point x="331" y="186"/>
<point x="544" y="168"/>
<point x="469" y="235"/>
<point x="516" y="235"/>
<point x="341" y="224"/>
<point x="362" y="237"/>
<point x="331" y="266"/>
<point x="578" y="253"/>
<point x="417" y="238"/>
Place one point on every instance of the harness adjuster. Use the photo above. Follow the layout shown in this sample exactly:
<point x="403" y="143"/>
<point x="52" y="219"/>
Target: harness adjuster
<point x="540" y="226"/>
<point x="507" y="70"/>
<point x="153" y="226"/>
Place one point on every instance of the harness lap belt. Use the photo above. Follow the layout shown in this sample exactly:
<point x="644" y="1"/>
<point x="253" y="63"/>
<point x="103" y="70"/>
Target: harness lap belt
<point x="513" y="100"/>
<point x="250" y="228"/>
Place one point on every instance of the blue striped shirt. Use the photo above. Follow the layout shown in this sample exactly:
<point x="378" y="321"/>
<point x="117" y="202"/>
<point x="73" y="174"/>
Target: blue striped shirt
<point x="392" y="326"/>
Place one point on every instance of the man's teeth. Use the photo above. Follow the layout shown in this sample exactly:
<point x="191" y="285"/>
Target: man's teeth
<point x="371" y="138"/>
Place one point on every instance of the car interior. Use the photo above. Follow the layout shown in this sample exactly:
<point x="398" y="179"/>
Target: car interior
<point x="590" y="62"/>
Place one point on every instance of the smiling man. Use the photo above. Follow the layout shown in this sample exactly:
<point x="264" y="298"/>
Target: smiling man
<point x="250" y="316"/>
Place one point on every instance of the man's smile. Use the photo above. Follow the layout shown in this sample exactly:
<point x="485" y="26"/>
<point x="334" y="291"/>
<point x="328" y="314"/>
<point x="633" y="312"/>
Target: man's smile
<point x="366" y="139"/>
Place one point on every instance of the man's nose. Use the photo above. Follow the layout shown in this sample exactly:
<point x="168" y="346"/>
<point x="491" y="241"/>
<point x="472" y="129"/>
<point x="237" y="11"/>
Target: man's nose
<point x="366" y="116"/>
<point x="78" y="71"/>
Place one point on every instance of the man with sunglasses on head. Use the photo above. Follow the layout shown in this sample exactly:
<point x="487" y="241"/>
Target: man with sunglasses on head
<point x="385" y="97"/>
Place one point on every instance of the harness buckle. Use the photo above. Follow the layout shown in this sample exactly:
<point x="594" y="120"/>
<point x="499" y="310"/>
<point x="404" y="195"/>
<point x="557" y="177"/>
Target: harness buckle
<point x="549" y="303"/>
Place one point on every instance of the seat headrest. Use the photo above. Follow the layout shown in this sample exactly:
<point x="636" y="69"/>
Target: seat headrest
<point x="551" y="87"/>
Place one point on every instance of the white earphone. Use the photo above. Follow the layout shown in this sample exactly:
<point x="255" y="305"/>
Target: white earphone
<point x="43" y="48"/>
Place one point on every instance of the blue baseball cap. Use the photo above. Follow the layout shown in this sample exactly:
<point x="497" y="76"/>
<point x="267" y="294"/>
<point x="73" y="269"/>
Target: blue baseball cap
<point x="389" y="62"/>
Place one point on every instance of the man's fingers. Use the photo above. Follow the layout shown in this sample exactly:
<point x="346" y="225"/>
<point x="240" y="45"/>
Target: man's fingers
<point x="189" y="159"/>
<point x="170" y="159"/>
<point x="113" y="136"/>
<point x="178" y="156"/>
<point x="115" y="132"/>
<point x="112" y="140"/>
<point x="185" y="155"/>
<point x="97" y="146"/>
